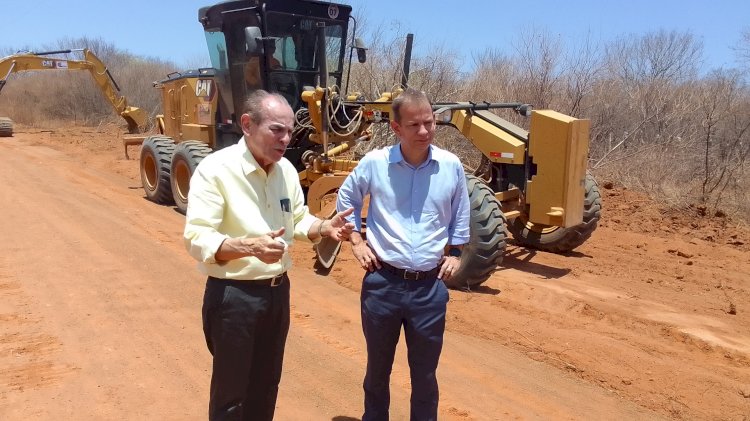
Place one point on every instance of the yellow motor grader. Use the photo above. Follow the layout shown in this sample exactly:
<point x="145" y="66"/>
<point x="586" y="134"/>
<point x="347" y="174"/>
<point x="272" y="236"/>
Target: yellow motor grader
<point x="532" y="183"/>
<point x="136" y="118"/>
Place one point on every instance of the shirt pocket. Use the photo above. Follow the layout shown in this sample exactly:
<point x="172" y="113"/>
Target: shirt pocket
<point x="287" y="216"/>
<point x="430" y="220"/>
<point x="286" y="205"/>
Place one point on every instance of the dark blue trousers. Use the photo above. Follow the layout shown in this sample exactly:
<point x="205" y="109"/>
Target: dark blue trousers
<point x="246" y="326"/>
<point x="389" y="302"/>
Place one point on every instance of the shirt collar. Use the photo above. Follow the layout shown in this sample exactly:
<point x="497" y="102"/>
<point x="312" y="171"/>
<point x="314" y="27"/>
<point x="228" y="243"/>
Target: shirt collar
<point x="249" y="163"/>
<point x="395" y="156"/>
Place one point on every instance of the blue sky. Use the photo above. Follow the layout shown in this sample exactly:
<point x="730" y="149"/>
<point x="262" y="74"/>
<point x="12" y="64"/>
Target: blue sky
<point x="170" y="29"/>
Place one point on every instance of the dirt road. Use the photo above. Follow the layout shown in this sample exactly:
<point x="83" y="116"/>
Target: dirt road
<point x="100" y="311"/>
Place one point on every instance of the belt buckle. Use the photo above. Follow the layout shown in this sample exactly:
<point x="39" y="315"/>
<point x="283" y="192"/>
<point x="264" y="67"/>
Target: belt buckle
<point x="276" y="280"/>
<point x="411" y="276"/>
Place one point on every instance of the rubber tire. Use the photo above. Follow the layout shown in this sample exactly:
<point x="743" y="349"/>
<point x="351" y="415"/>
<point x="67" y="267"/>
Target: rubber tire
<point x="187" y="155"/>
<point x="6" y="127"/>
<point x="155" y="162"/>
<point x="557" y="239"/>
<point x="486" y="247"/>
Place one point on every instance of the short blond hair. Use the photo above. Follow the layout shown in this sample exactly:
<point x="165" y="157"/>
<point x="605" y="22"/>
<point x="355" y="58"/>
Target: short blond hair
<point x="409" y="96"/>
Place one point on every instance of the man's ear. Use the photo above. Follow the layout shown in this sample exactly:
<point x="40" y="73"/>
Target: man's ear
<point x="245" y="123"/>
<point x="396" y="128"/>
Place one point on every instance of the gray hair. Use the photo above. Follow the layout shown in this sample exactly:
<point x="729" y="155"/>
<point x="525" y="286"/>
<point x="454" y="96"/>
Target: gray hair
<point x="253" y="105"/>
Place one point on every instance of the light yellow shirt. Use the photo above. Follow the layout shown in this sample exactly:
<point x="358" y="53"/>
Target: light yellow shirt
<point x="232" y="196"/>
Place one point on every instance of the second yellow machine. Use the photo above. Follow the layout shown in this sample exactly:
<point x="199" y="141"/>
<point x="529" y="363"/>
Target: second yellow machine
<point x="136" y="118"/>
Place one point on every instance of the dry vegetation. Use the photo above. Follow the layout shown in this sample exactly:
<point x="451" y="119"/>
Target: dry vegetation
<point x="658" y="124"/>
<point x="44" y="98"/>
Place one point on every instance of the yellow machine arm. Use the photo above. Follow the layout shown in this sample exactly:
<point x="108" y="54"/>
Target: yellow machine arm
<point x="557" y="149"/>
<point x="135" y="117"/>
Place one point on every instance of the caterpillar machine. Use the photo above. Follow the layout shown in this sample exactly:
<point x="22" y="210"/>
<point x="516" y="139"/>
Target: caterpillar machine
<point x="136" y="118"/>
<point x="531" y="183"/>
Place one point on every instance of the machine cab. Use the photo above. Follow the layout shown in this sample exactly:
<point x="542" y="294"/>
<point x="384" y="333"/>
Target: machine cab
<point x="271" y="45"/>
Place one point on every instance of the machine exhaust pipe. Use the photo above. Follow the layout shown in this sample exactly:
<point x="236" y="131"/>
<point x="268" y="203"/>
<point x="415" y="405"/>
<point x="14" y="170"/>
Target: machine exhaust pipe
<point x="323" y="66"/>
<point x="407" y="61"/>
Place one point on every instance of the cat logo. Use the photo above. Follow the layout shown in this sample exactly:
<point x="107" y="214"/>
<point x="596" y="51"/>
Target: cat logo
<point x="204" y="88"/>
<point x="48" y="63"/>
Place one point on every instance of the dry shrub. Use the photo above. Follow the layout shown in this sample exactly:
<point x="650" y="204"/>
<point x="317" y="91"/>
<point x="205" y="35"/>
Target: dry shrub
<point x="657" y="125"/>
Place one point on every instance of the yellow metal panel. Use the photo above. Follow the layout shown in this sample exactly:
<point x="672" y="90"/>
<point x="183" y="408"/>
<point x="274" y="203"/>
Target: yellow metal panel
<point x="168" y="107"/>
<point x="558" y="145"/>
<point x="494" y="143"/>
<point x="198" y="132"/>
<point x="312" y="98"/>
<point x="189" y="108"/>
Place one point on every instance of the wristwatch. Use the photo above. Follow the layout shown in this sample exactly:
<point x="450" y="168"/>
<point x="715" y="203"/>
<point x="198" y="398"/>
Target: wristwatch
<point x="454" y="251"/>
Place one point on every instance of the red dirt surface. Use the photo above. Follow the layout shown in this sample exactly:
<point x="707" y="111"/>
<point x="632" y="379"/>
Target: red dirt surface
<point x="100" y="310"/>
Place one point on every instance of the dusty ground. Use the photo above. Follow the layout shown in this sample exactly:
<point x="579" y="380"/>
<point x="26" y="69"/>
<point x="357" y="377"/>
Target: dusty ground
<point x="100" y="311"/>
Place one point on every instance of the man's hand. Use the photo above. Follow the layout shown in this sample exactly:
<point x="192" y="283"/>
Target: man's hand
<point x="337" y="228"/>
<point x="448" y="266"/>
<point x="265" y="248"/>
<point x="363" y="253"/>
<point x="268" y="249"/>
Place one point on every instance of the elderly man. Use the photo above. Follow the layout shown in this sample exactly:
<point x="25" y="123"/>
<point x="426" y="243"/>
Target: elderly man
<point x="244" y="207"/>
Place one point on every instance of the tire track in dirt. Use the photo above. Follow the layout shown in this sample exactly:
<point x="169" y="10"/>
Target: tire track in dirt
<point x="600" y="329"/>
<point x="29" y="357"/>
<point x="609" y="336"/>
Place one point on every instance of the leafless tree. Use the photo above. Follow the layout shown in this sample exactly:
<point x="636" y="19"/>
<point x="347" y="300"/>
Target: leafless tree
<point x="743" y="48"/>
<point x="725" y="132"/>
<point x="539" y="58"/>
<point x="584" y="65"/>
<point x="647" y="75"/>
<point x="491" y="79"/>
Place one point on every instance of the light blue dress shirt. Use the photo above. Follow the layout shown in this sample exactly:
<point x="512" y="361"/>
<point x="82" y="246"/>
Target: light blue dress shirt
<point x="413" y="212"/>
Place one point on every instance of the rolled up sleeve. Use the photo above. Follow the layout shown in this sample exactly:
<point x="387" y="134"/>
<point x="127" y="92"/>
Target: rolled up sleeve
<point x="201" y="236"/>
<point x="459" y="229"/>
<point x="352" y="192"/>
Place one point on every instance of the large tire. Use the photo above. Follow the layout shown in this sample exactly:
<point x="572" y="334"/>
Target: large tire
<point x="484" y="252"/>
<point x="187" y="155"/>
<point x="6" y="127"/>
<point x="556" y="239"/>
<point x="156" y="159"/>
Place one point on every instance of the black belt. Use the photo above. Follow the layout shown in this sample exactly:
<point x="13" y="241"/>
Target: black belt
<point x="270" y="282"/>
<point x="410" y="275"/>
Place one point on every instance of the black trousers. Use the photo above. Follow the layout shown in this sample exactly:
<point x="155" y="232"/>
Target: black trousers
<point x="246" y="326"/>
